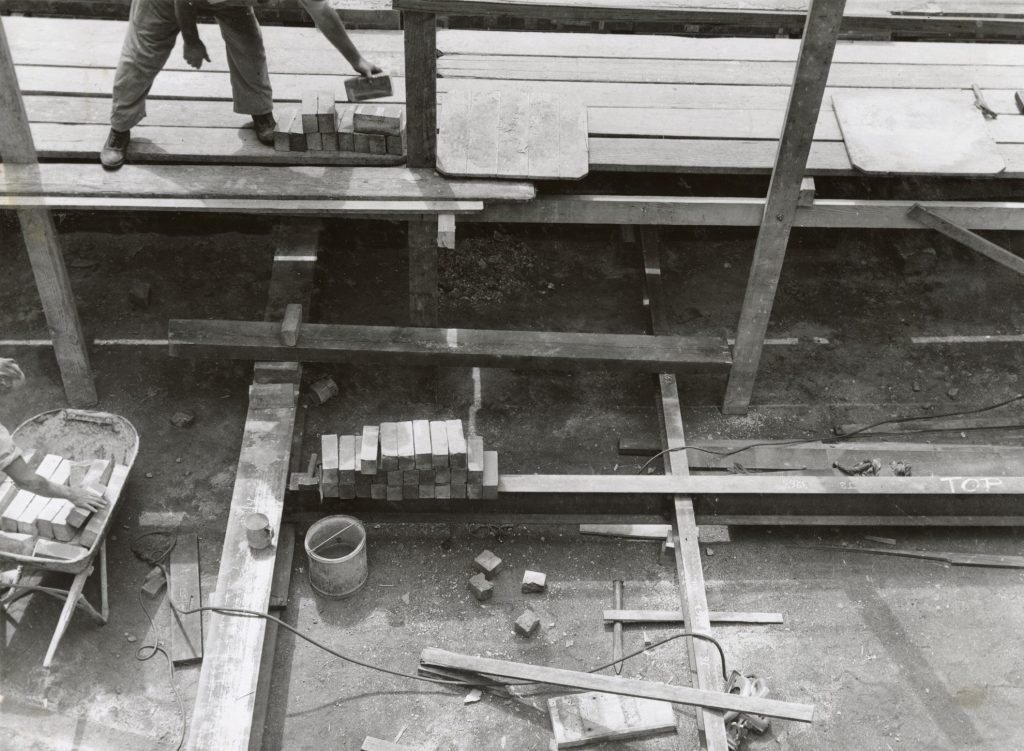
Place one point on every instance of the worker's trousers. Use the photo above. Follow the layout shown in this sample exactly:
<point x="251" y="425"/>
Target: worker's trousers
<point x="152" y="32"/>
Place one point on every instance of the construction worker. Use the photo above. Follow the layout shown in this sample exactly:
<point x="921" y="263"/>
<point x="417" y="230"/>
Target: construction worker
<point x="153" y="27"/>
<point x="12" y="462"/>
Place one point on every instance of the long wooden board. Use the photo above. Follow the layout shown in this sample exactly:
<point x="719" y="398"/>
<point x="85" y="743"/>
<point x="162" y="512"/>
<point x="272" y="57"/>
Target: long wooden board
<point x="43" y="41"/>
<point x="225" y="697"/>
<point x="184" y="590"/>
<point x="252" y="340"/>
<point x="265" y="183"/>
<point x="614" y="685"/>
<point x="745" y="212"/>
<point x="761" y="485"/>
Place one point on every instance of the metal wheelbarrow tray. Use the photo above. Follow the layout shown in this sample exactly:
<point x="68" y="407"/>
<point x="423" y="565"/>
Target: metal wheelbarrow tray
<point x="76" y="435"/>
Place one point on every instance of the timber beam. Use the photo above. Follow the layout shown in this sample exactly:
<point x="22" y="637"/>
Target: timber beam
<point x="812" y="67"/>
<point x="729" y="211"/>
<point x="251" y="340"/>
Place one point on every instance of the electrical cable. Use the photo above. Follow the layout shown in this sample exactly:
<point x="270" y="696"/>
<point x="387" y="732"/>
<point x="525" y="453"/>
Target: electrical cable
<point x="846" y="436"/>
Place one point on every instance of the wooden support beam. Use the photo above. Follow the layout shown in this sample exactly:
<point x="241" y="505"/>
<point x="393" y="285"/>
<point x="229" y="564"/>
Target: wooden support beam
<point x="446" y="231"/>
<point x="291" y="324"/>
<point x="421" y="87"/>
<point x="254" y="340"/>
<point x="43" y="244"/>
<point x="807" y="190"/>
<point x="736" y="211"/>
<point x="423" y="234"/>
<point x="824" y="18"/>
<point x="761" y="485"/>
<point x="702" y="659"/>
<point x="715" y="700"/>
<point x="965" y="237"/>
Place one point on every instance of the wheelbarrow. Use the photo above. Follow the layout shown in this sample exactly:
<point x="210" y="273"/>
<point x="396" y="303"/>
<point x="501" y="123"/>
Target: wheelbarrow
<point x="76" y="435"/>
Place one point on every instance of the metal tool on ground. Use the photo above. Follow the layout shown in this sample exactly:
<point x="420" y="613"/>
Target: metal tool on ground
<point x="739" y="724"/>
<point x="617" y="627"/>
<point x="866" y="468"/>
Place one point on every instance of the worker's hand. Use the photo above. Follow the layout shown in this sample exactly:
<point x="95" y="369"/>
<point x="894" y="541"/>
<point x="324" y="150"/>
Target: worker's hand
<point x="195" y="53"/>
<point x="11" y="377"/>
<point x="86" y="499"/>
<point x="366" y="69"/>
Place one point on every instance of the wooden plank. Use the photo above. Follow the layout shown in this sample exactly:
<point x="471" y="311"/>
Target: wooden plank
<point x="677" y="616"/>
<point x="744" y="212"/>
<point x="196" y="145"/>
<point x="689" y="569"/>
<point x="636" y="531"/>
<point x="290" y="325"/>
<point x="43" y="244"/>
<point x="965" y="237"/>
<point x="622" y="686"/>
<point x="290" y="208"/>
<point x="421" y="88"/>
<point x="581" y="719"/>
<point x="184" y="590"/>
<point x="962" y="18"/>
<point x="422" y="246"/>
<point x="891" y="76"/>
<point x="222" y="716"/>
<point x="388" y="447"/>
<point x="210" y="181"/>
<point x="819" y="40"/>
<point x="761" y="485"/>
<point x="450" y="347"/>
<point x="285" y="547"/>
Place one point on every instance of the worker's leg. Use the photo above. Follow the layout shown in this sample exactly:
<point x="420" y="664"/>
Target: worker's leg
<point x="247" y="60"/>
<point x="152" y="30"/>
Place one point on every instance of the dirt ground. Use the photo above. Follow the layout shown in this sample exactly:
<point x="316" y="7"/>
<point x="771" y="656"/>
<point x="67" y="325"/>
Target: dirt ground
<point x="894" y="653"/>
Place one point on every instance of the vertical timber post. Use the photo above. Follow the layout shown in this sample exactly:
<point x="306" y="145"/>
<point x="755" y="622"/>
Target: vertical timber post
<point x="423" y="271"/>
<point x="421" y="87"/>
<point x="821" y="31"/>
<point x="43" y="244"/>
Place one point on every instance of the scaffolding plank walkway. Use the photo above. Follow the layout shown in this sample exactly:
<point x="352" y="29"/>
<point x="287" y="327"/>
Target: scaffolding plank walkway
<point x="733" y="92"/>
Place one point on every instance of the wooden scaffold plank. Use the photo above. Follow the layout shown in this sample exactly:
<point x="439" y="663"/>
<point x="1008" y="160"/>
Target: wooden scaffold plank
<point x="819" y="41"/>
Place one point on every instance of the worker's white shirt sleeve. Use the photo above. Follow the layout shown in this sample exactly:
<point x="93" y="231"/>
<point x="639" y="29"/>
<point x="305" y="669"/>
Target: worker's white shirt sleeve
<point x="8" y="451"/>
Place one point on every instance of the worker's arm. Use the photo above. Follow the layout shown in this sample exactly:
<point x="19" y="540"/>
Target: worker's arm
<point x="26" y="479"/>
<point x="329" y="22"/>
<point x="195" y="50"/>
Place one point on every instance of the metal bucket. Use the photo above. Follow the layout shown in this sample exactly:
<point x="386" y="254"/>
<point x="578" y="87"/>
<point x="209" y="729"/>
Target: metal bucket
<point x="338" y="569"/>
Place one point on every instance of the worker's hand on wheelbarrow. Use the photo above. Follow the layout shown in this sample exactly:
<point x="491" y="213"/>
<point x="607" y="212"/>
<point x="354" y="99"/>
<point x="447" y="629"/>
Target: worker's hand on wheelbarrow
<point x="195" y="53"/>
<point x="366" y="69"/>
<point x="86" y="499"/>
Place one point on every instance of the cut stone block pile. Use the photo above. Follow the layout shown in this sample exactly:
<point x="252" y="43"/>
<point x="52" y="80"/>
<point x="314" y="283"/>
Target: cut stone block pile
<point x="320" y="125"/>
<point x="400" y="461"/>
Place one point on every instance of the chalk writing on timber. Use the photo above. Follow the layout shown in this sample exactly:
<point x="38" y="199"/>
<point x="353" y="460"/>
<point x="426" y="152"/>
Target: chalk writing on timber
<point x="972" y="484"/>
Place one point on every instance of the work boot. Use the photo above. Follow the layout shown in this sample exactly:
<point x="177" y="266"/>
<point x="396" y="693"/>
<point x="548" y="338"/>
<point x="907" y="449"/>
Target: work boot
<point x="265" y="125"/>
<point x="113" y="153"/>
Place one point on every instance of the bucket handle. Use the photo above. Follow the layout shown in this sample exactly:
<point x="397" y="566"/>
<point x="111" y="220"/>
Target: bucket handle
<point x="350" y="524"/>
